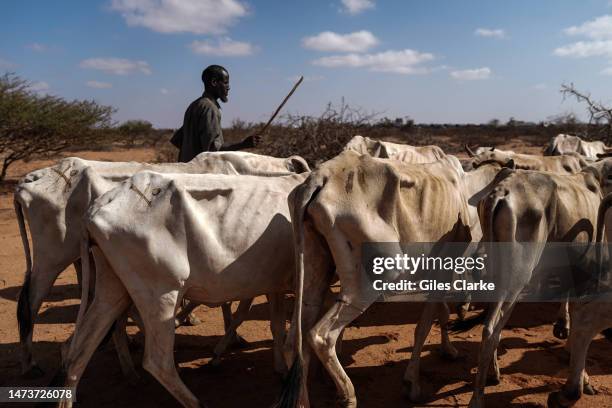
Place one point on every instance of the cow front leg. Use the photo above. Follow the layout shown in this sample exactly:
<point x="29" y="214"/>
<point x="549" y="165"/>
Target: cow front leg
<point x="577" y="381"/>
<point x="412" y="387"/>
<point x="561" y="326"/>
<point x="110" y="301"/>
<point x="277" y="327"/>
<point x="158" y="360"/>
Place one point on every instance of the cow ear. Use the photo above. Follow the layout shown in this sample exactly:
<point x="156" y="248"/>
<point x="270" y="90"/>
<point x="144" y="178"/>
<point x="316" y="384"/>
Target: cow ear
<point x="510" y="164"/>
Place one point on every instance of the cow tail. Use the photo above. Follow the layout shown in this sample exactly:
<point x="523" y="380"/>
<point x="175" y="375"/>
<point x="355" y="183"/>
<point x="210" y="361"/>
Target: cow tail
<point x="486" y="211"/>
<point x="302" y="196"/>
<point x="86" y="277"/>
<point x="24" y="312"/>
<point x="606" y="202"/>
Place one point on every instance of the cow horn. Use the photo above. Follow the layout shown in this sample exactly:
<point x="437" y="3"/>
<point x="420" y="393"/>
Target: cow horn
<point x="469" y="151"/>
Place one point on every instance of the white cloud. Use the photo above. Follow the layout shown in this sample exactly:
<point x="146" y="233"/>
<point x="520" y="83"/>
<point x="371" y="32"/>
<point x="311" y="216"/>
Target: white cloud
<point x="99" y="85"/>
<point x="357" y="6"/>
<point x="491" y="33"/>
<point x="174" y="16"/>
<point x="598" y="44"/>
<point x="540" y="87"/>
<point x="585" y="49"/>
<point x="163" y="91"/>
<point x="116" y="66"/>
<point x="37" y="47"/>
<point x="597" y="29"/>
<point x="358" y="41"/>
<point x="39" y="86"/>
<point x="224" y="47"/>
<point x="472" y="74"/>
<point x="401" y="62"/>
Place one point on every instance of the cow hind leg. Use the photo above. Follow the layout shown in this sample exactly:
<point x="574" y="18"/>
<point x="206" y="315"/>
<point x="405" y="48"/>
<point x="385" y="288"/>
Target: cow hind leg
<point x="159" y="346"/>
<point x="186" y="317"/>
<point x="121" y="340"/>
<point x="237" y="340"/>
<point x="499" y="315"/>
<point x="236" y="320"/>
<point x="449" y="351"/>
<point x="323" y="338"/>
<point x="35" y="289"/>
<point x="576" y="384"/>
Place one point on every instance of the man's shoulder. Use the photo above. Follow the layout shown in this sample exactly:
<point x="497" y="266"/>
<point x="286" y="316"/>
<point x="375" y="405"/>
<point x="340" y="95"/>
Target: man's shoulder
<point x="204" y="103"/>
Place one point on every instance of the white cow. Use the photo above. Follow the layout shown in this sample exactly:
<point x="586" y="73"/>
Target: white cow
<point x="53" y="200"/>
<point x="529" y="207"/>
<point x="564" y="144"/>
<point x="346" y="202"/>
<point x="160" y="238"/>
<point x="396" y="151"/>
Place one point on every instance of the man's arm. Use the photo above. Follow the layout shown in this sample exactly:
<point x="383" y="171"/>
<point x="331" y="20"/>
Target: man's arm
<point x="247" y="143"/>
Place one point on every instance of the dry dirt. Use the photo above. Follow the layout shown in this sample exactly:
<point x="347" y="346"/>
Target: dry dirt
<point x="375" y="351"/>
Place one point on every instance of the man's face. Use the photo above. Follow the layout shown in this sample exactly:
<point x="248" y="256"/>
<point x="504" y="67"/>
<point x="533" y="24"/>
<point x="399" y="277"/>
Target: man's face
<point x="221" y="87"/>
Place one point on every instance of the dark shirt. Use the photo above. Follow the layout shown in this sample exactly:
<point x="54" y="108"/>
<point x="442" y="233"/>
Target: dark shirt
<point x="201" y="129"/>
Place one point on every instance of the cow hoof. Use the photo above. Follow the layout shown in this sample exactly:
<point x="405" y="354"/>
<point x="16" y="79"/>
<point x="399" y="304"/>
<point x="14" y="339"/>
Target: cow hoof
<point x="449" y="355"/>
<point x="554" y="400"/>
<point x="461" y="312"/>
<point x="134" y="345"/>
<point x="214" y="365"/>
<point x="560" y="331"/>
<point x="346" y="402"/>
<point x="476" y="402"/>
<point x="588" y="389"/>
<point x="192" y="320"/>
<point x="33" y="373"/>
<point x="240" y="343"/>
<point x="64" y="404"/>
<point x="492" y="381"/>
<point x="134" y="380"/>
<point x="412" y="391"/>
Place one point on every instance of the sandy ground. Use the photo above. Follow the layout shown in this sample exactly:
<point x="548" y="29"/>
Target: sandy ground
<point x="375" y="352"/>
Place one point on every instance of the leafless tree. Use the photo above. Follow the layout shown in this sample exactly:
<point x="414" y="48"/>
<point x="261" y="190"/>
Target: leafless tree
<point x="599" y="114"/>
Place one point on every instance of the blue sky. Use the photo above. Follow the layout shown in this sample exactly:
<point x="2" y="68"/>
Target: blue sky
<point x="435" y="61"/>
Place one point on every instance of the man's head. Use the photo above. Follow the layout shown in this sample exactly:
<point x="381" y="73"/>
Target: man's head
<point x="216" y="82"/>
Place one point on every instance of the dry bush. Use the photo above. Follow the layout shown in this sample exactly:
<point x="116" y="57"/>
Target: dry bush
<point x="316" y="138"/>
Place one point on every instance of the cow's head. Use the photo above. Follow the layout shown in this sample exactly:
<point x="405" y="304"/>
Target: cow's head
<point x="493" y="156"/>
<point x="602" y="170"/>
<point x="51" y="183"/>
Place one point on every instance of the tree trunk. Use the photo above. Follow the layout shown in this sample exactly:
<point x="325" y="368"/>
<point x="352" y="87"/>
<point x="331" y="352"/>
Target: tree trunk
<point x="5" y="164"/>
